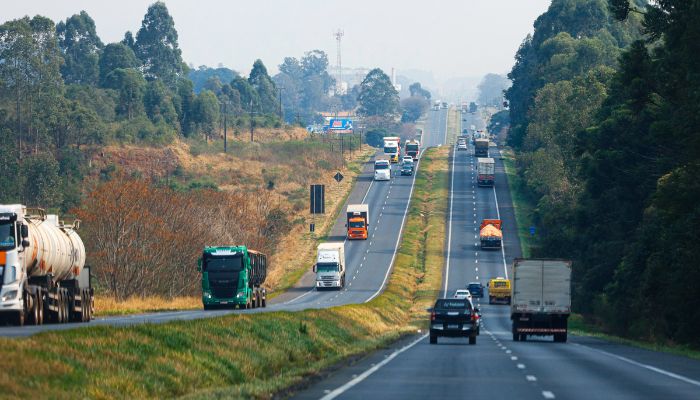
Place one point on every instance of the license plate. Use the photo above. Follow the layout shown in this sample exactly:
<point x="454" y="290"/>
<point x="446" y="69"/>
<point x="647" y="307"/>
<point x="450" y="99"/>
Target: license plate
<point x="452" y="326"/>
<point x="223" y="302"/>
<point x="453" y="313"/>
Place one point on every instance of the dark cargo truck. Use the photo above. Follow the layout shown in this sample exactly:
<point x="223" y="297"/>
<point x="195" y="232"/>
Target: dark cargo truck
<point x="232" y="276"/>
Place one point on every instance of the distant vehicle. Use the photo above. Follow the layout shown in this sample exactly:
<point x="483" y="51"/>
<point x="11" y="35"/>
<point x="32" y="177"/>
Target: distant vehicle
<point x="382" y="170"/>
<point x="436" y="105"/>
<point x="357" y="221"/>
<point x="407" y="159"/>
<point x="330" y="266"/>
<point x="476" y="289"/>
<point x="462" y="294"/>
<point x="462" y="146"/>
<point x="443" y="105"/>
<point x="541" y="298"/>
<point x="392" y="148"/>
<point x="486" y="171"/>
<point x="413" y="148"/>
<point x="499" y="290"/>
<point x="407" y="168"/>
<point x="465" y="131"/>
<point x="453" y="318"/>
<point x="491" y="234"/>
<point x="232" y="276"/>
<point x="481" y="147"/>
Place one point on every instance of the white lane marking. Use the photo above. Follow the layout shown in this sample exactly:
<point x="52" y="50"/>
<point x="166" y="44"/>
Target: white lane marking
<point x="398" y="237"/>
<point x="337" y="392"/>
<point x="514" y="358"/>
<point x="547" y="394"/>
<point x="645" y="366"/>
<point x="531" y="378"/>
<point x="503" y="251"/>
<point x="298" y="297"/>
<point x="508" y="351"/>
<point x="449" y="229"/>
<point x="521" y="366"/>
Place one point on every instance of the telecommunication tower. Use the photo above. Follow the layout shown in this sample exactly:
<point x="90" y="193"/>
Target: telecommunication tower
<point x="339" y="82"/>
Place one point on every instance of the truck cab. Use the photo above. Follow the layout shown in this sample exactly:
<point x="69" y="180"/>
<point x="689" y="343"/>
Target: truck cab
<point x="392" y="148"/>
<point x="232" y="276"/>
<point x="382" y="170"/>
<point x="330" y="266"/>
<point x="357" y="221"/>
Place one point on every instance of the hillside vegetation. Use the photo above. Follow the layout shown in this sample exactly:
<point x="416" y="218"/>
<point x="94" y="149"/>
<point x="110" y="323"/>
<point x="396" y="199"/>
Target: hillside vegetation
<point x="604" y="107"/>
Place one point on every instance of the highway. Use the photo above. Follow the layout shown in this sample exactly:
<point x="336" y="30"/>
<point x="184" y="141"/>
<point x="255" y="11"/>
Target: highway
<point x="367" y="262"/>
<point x="496" y="367"/>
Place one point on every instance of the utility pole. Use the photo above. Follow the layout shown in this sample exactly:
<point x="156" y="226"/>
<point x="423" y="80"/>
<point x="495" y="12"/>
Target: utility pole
<point x="281" y="88"/>
<point x="225" y="125"/>
<point x="250" y="116"/>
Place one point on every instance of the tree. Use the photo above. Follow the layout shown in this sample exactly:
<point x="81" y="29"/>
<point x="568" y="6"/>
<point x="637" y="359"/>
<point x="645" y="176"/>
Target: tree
<point x="264" y="87"/>
<point x="42" y="181"/>
<point x="131" y="87"/>
<point x="158" y="104"/>
<point x="413" y="107"/>
<point x="491" y="89"/>
<point x="203" y="74"/>
<point x="249" y="97"/>
<point x="416" y="90"/>
<point x="157" y="48"/>
<point x="206" y="113"/>
<point x="80" y="45"/>
<point x="185" y="106"/>
<point x="378" y="97"/>
<point x="115" y="56"/>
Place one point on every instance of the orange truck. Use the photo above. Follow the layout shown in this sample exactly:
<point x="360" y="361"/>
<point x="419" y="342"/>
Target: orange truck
<point x="491" y="234"/>
<point x="357" y="221"/>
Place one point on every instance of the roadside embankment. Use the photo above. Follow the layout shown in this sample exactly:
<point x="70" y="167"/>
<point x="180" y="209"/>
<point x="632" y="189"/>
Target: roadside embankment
<point x="241" y="355"/>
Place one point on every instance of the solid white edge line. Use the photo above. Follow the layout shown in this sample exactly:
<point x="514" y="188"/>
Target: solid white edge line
<point x="503" y="246"/>
<point x="645" y="366"/>
<point x="337" y="392"/>
<point x="398" y="239"/>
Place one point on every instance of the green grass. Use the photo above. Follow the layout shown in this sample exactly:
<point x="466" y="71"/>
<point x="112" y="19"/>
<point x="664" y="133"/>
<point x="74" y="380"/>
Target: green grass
<point x="579" y="326"/>
<point x="240" y="356"/>
<point x="523" y="204"/>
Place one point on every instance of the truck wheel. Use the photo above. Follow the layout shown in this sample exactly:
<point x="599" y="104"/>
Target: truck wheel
<point x="40" y="308"/>
<point x="490" y="299"/>
<point x="433" y="339"/>
<point x="560" y="337"/>
<point x="20" y="318"/>
<point x="516" y="337"/>
<point x="34" y="309"/>
<point x="472" y="339"/>
<point x="523" y="337"/>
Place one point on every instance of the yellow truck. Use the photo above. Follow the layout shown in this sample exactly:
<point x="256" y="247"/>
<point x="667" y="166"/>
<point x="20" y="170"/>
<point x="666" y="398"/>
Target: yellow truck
<point x="499" y="291"/>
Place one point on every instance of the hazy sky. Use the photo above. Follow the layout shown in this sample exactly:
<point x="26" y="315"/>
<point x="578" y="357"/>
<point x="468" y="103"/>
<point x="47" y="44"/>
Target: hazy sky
<point x="450" y="38"/>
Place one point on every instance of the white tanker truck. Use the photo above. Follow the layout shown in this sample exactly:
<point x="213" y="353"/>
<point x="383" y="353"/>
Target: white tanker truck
<point x="42" y="265"/>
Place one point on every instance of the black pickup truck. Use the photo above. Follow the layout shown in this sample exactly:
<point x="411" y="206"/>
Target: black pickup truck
<point x="453" y="318"/>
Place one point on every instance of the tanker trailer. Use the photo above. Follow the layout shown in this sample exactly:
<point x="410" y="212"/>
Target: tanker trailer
<point x="42" y="265"/>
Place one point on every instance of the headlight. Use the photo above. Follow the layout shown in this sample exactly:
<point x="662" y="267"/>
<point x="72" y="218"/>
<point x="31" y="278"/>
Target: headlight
<point x="9" y="295"/>
<point x="240" y="294"/>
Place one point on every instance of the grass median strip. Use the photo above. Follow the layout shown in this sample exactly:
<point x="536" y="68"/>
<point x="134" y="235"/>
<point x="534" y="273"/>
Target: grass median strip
<point x="240" y="355"/>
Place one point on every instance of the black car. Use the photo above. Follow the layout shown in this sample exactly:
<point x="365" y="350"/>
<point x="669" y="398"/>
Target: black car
<point x="476" y="289"/>
<point x="453" y="318"/>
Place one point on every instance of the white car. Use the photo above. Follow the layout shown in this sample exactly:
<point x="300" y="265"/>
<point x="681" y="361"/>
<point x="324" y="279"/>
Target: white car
<point x="462" y="146"/>
<point x="406" y="159"/>
<point x="462" y="294"/>
<point x="382" y="170"/>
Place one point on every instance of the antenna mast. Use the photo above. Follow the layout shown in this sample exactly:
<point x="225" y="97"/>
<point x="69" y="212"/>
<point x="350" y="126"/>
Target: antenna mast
<point x="339" y="82"/>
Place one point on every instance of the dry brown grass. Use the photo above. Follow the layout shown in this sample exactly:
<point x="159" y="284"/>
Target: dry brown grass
<point x="106" y="305"/>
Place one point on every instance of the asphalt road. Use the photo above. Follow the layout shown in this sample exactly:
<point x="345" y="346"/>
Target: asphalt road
<point x="496" y="367"/>
<point x="367" y="262"/>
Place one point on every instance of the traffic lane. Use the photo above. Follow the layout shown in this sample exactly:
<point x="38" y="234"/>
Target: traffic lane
<point x="574" y="371"/>
<point x="354" y="253"/>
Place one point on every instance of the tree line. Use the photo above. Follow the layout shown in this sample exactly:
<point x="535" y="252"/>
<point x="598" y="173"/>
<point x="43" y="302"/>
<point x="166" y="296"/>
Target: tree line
<point x="604" y="112"/>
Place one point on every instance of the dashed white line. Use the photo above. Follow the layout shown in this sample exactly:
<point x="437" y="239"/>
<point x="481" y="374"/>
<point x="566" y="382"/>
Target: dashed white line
<point x="531" y="378"/>
<point x="521" y="366"/>
<point x="547" y="394"/>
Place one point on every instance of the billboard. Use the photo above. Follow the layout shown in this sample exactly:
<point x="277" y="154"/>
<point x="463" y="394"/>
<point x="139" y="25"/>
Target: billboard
<point x="340" y="125"/>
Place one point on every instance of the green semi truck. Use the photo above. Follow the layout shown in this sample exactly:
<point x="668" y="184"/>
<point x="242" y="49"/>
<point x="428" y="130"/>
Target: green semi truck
<point x="232" y="276"/>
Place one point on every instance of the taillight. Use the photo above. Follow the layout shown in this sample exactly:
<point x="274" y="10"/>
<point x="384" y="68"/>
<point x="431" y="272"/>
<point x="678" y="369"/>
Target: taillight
<point x="475" y="316"/>
<point x="432" y="316"/>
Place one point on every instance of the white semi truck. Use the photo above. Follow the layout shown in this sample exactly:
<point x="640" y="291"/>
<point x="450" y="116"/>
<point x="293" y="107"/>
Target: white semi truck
<point x="42" y="264"/>
<point x="330" y="266"/>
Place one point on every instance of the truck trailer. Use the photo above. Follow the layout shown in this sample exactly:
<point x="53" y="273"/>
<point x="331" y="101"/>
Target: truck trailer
<point x="481" y="147"/>
<point x="330" y="266"/>
<point x="541" y="302"/>
<point x="42" y="264"/>
<point x="486" y="171"/>
<point x="232" y="276"/>
<point x="357" y="221"/>
<point x="491" y="234"/>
